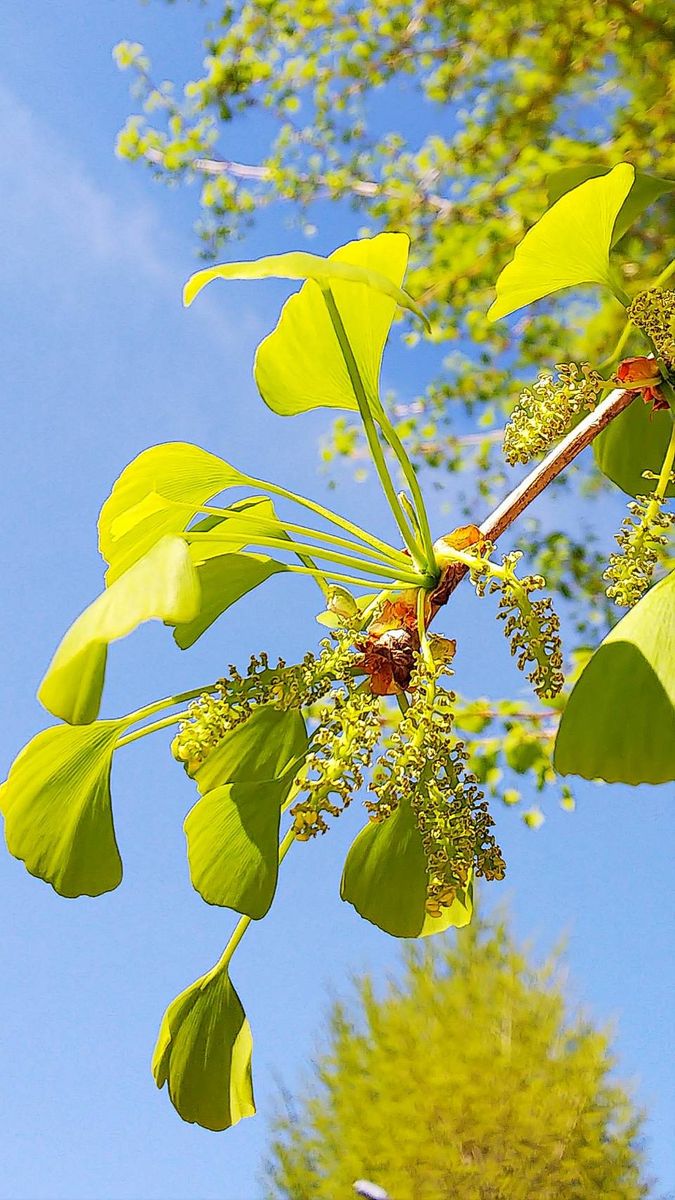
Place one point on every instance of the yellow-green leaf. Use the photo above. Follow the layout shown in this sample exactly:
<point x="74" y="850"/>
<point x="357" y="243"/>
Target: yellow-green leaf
<point x="223" y="580"/>
<point x="232" y="832"/>
<point x="634" y="442"/>
<point x="619" y="721"/>
<point x="161" y="586"/>
<point x="56" y="805"/>
<point x="299" y="366"/>
<point x="203" y="1054"/>
<point x="146" y="501"/>
<point x="385" y="879"/>
<point x="233" y="844"/>
<point x="263" y="747"/>
<point x="569" y="245"/>
<point x="339" y="268"/>
<point x="644" y="192"/>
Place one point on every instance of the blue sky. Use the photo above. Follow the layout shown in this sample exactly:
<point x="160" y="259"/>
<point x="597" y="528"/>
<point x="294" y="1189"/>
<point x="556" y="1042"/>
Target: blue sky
<point x="97" y="361"/>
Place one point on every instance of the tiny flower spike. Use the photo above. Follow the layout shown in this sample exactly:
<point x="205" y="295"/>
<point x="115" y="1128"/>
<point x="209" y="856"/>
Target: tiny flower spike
<point x="545" y="410"/>
<point x="643" y="536"/>
<point x="425" y="767"/>
<point x="277" y="751"/>
<point x="653" y="312"/>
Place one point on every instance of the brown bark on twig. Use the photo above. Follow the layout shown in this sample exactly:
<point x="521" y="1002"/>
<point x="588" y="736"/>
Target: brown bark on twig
<point x="536" y="482"/>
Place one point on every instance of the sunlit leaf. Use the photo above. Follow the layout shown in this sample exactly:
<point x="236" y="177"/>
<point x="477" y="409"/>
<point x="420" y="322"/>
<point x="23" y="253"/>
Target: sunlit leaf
<point x="338" y="269"/>
<point x="634" y="442"/>
<point x="161" y="586"/>
<point x="224" y="580"/>
<point x="203" y="1054"/>
<point x="385" y="879"/>
<point x="146" y="500"/>
<point x="644" y="192"/>
<point x="619" y="721"/>
<point x="300" y="365"/>
<point x="233" y="831"/>
<point x="569" y="245"/>
<point x="225" y="573"/>
<point x="263" y="747"/>
<point x="56" y="805"/>
<point x="233" y="844"/>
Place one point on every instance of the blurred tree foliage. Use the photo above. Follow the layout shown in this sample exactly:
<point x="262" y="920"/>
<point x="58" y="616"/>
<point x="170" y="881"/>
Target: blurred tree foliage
<point x="443" y="119"/>
<point x="469" y="1080"/>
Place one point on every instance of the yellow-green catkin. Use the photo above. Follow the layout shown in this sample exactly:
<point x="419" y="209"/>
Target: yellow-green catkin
<point x="653" y="312"/>
<point x="342" y="749"/>
<point x="642" y="537"/>
<point x="546" y="409"/>
<point x="425" y="765"/>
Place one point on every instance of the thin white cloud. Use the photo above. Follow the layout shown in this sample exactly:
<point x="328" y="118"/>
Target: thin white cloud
<point x="53" y="209"/>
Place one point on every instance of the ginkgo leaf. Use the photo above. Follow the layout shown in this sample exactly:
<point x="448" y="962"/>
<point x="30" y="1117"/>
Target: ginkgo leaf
<point x="161" y="586"/>
<point x="569" y="245"/>
<point x="619" y="721"/>
<point x="644" y="192"/>
<point x="385" y="879"/>
<point x="56" y="805"/>
<point x="233" y="830"/>
<point x="300" y="365"/>
<point x="338" y="268"/>
<point x="225" y="572"/>
<point x="634" y="442"/>
<point x="223" y="580"/>
<point x="261" y="748"/>
<point x="146" y="501"/>
<point x="233" y="844"/>
<point x="203" y="1054"/>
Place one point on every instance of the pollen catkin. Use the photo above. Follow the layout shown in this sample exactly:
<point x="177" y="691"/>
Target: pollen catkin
<point x="213" y="714"/>
<point x="425" y="765"/>
<point x="342" y="749"/>
<point x="642" y="536"/>
<point x="531" y="626"/>
<point x="653" y="312"/>
<point x="545" y="409"/>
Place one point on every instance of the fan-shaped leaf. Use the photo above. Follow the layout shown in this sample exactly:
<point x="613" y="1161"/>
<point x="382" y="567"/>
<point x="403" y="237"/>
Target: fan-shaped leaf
<point x="300" y="365"/>
<point x="223" y="581"/>
<point x="644" y="192"/>
<point x="619" y="721"/>
<point x="634" y="442"/>
<point x="263" y="747"/>
<point x="385" y="879"/>
<point x="203" y="1054"/>
<point x="569" y="245"/>
<point x="139" y="510"/>
<point x="233" y="831"/>
<point x="56" y="805"/>
<point x="338" y="268"/>
<point x="161" y="586"/>
<point x="233" y="844"/>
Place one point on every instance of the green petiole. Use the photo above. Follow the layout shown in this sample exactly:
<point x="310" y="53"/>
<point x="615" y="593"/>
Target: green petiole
<point x="399" y="585"/>
<point x="153" y="728"/>
<point x="345" y="560"/>
<point x="326" y="513"/>
<point x="370" y="427"/>
<point x="305" y="531"/>
<point x="413" y="483"/>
